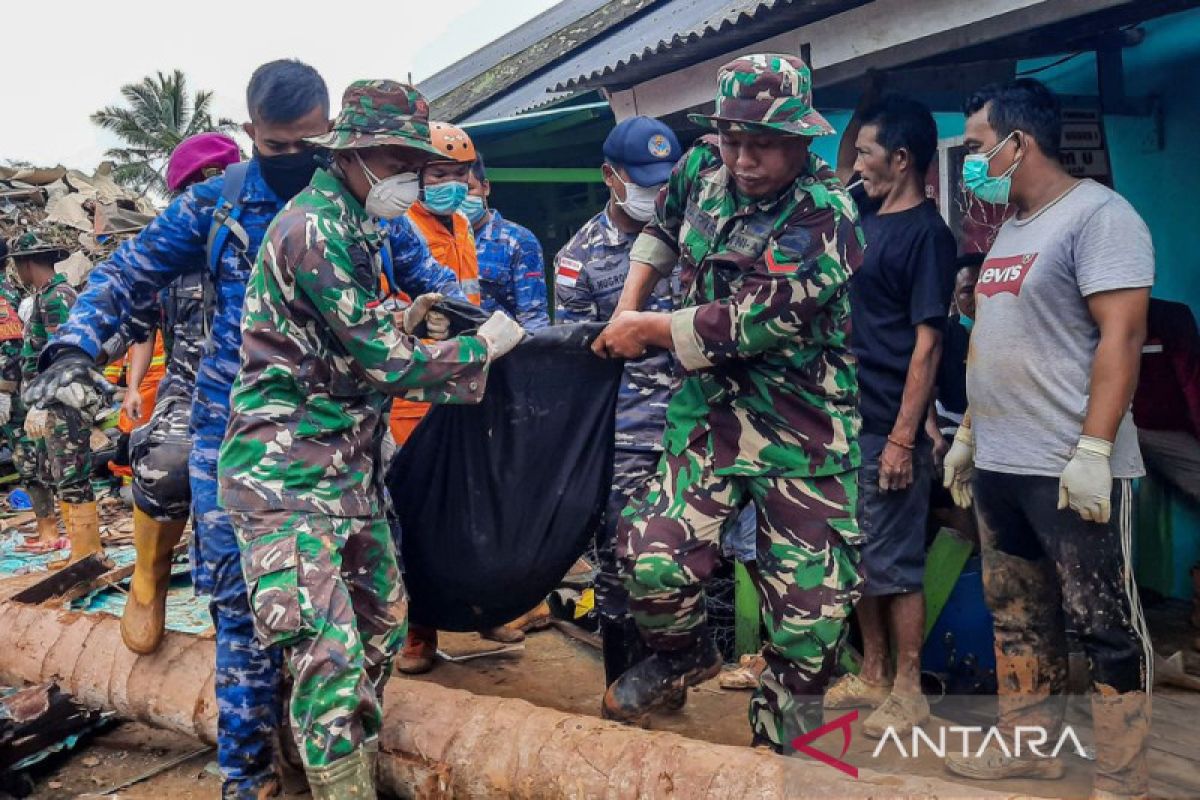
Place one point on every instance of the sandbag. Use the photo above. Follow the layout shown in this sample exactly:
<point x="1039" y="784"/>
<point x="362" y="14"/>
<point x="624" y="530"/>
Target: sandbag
<point x="496" y="501"/>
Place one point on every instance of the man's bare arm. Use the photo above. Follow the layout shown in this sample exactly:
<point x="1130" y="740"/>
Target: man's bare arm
<point x="1121" y="317"/>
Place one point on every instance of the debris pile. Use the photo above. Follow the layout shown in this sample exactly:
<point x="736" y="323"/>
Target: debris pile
<point x="90" y="215"/>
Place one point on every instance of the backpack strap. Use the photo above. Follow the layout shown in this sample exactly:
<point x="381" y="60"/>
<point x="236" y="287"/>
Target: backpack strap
<point x="224" y="224"/>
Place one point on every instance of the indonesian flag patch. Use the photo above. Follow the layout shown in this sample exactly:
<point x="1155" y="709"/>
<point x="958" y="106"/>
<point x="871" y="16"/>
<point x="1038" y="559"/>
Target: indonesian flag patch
<point x="567" y="271"/>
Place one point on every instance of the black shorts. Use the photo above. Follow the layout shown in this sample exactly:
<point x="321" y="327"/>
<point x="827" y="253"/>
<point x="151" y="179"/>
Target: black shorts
<point x="893" y="522"/>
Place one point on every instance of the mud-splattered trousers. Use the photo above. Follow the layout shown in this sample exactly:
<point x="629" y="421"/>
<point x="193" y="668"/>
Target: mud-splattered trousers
<point x="328" y="591"/>
<point x="807" y="578"/>
<point x="1046" y="570"/>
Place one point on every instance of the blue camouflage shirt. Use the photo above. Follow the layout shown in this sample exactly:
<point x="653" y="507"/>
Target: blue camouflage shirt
<point x="589" y="274"/>
<point x="511" y="272"/>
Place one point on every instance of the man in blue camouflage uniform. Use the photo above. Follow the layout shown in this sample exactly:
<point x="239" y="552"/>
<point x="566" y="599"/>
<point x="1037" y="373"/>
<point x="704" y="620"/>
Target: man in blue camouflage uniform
<point x="288" y="101"/>
<point x="512" y="276"/>
<point x="589" y="273"/>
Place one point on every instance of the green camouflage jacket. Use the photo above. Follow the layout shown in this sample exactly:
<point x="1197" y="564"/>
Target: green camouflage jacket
<point x="320" y="361"/>
<point x="763" y="328"/>
<point x="51" y="307"/>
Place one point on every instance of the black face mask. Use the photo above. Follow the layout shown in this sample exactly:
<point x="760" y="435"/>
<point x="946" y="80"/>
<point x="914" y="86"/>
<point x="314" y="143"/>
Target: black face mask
<point x="289" y="173"/>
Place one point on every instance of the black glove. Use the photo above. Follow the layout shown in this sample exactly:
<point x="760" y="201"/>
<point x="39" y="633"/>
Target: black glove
<point x="72" y="379"/>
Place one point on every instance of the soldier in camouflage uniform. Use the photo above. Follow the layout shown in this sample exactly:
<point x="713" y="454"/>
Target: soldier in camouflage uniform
<point x="300" y="469"/>
<point x="12" y="410"/>
<point x="58" y="439"/>
<point x="589" y="273"/>
<point x="767" y="239"/>
<point x="287" y="101"/>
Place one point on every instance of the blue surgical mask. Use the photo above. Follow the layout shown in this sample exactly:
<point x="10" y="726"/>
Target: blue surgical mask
<point x="474" y="207"/>
<point x="966" y="321"/>
<point x="444" y="198"/>
<point x="987" y="188"/>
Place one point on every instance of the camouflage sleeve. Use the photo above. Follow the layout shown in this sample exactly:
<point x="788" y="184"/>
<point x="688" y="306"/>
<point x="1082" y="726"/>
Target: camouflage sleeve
<point x="805" y="267"/>
<point x="573" y="300"/>
<point x="415" y="269"/>
<point x="124" y="289"/>
<point x="384" y="356"/>
<point x="529" y="281"/>
<point x="658" y="243"/>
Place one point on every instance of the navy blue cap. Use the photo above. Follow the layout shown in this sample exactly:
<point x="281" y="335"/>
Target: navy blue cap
<point x="645" y="147"/>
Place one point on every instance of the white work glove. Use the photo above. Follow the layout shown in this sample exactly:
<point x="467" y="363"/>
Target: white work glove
<point x="1086" y="482"/>
<point x="501" y="334"/>
<point x="5" y="407"/>
<point x="37" y="423"/>
<point x="959" y="467"/>
<point x="420" y="311"/>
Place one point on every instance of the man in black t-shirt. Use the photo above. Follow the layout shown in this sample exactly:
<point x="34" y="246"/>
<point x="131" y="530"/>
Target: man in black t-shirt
<point x="898" y="304"/>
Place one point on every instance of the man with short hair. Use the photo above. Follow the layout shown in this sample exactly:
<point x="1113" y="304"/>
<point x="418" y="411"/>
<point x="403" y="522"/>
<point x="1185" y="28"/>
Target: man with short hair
<point x="512" y="277"/>
<point x="288" y="102"/>
<point x="767" y="239"/>
<point x="1048" y="450"/>
<point x="300" y="468"/>
<point x="899" y="300"/>
<point x="590" y="271"/>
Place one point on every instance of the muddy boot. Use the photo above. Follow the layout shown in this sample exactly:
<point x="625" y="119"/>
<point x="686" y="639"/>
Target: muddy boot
<point x="1121" y="722"/>
<point x="655" y="682"/>
<point x="420" y="650"/>
<point x="347" y="778"/>
<point x="83" y="529"/>
<point x="146" y="607"/>
<point x="620" y="647"/>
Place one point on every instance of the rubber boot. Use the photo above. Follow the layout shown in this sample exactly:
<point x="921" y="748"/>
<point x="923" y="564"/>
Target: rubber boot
<point x="47" y="529"/>
<point x="146" y="607"/>
<point x="83" y="529"/>
<point x="621" y="648"/>
<point x="654" y="682"/>
<point x="348" y="778"/>
<point x="1122" y="723"/>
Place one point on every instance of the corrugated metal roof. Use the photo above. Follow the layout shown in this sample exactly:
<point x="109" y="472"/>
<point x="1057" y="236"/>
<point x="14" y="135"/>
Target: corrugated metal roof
<point x="687" y="31"/>
<point x="549" y="21"/>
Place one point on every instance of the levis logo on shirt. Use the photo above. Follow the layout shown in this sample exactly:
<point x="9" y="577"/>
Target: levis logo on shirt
<point x="1006" y="274"/>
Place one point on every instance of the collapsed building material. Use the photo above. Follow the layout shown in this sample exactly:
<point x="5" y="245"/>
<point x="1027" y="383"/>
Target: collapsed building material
<point x="436" y="742"/>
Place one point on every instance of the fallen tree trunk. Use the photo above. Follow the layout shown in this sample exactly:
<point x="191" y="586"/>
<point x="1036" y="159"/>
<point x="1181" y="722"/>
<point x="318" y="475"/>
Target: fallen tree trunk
<point x="437" y="742"/>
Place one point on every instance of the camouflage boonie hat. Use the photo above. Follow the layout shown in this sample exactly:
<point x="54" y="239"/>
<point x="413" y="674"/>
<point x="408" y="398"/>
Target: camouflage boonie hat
<point x="32" y="242"/>
<point x="766" y="92"/>
<point x="377" y="114"/>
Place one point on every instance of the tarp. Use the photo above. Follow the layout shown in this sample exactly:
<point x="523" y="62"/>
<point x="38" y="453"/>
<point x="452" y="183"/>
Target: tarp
<point x="496" y="501"/>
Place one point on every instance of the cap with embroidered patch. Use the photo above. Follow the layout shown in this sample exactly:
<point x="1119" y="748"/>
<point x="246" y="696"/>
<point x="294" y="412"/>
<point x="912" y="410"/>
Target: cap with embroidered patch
<point x="645" y="147"/>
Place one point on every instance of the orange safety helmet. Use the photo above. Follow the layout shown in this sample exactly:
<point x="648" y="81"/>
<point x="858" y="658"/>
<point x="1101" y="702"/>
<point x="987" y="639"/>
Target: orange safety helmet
<point x="452" y="141"/>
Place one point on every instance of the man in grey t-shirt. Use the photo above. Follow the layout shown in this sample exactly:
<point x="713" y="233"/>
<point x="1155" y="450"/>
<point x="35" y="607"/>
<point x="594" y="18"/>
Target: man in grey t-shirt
<point x="1048" y="449"/>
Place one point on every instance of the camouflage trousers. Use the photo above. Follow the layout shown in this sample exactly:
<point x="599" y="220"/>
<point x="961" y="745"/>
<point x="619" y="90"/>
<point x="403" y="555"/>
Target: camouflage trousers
<point x="31" y="463"/>
<point x="328" y="591"/>
<point x="807" y="578"/>
<point x="158" y="456"/>
<point x="69" y="454"/>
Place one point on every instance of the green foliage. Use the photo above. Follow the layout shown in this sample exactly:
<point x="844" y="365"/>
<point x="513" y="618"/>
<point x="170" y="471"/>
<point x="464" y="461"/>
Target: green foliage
<point x="158" y="114"/>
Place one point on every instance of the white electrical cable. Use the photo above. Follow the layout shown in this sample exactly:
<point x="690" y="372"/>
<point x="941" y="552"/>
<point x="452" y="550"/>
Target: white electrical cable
<point x="1137" y="617"/>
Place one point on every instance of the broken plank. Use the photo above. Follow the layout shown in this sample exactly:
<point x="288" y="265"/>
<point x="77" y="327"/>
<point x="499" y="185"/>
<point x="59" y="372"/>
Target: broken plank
<point x="59" y="583"/>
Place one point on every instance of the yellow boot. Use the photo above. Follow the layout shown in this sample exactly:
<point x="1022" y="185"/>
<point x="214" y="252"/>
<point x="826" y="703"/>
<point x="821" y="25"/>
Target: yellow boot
<point x="47" y="529"/>
<point x="83" y="529"/>
<point x="146" y="607"/>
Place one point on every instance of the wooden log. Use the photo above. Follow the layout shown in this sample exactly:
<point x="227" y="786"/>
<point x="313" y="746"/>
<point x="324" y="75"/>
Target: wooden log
<point x="436" y="742"/>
